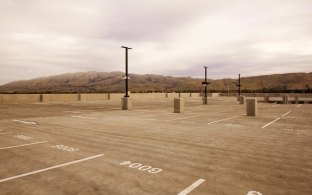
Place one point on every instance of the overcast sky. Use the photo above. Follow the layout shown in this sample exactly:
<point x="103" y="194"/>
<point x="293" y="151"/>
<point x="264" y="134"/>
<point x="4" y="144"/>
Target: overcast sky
<point x="169" y="37"/>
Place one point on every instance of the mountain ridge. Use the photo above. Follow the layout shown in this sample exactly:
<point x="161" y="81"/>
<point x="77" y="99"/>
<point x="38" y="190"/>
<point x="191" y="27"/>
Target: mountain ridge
<point x="93" y="81"/>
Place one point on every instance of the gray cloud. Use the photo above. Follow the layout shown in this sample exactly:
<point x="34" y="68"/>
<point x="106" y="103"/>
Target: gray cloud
<point x="178" y="37"/>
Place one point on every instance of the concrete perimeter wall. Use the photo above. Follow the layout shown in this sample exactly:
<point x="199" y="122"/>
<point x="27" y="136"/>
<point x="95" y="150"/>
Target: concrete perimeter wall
<point x="19" y="98"/>
<point x="148" y="95"/>
<point x="116" y="96"/>
<point x="60" y="97"/>
<point x="303" y="95"/>
<point x="33" y="98"/>
<point x="94" y="96"/>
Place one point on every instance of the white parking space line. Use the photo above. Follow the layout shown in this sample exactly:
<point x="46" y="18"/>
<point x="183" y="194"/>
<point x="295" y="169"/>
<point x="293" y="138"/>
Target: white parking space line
<point x="264" y="126"/>
<point x="25" y="122"/>
<point x="187" y="122"/>
<point x="276" y="105"/>
<point x="85" y="110"/>
<point x="286" y="113"/>
<point x="192" y="187"/>
<point x="299" y="105"/>
<point x="222" y="120"/>
<point x="74" y="112"/>
<point x="5" y="133"/>
<point x="184" y="117"/>
<point x="23" y="145"/>
<point x="152" y="115"/>
<point x="49" y="168"/>
<point x="84" y="117"/>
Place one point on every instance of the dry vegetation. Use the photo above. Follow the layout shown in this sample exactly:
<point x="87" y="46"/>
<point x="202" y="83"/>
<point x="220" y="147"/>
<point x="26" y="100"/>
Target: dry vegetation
<point x="113" y="82"/>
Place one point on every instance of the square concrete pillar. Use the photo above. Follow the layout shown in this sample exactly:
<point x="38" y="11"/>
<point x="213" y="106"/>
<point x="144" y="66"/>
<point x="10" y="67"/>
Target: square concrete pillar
<point x="238" y="97"/>
<point x="45" y="97"/>
<point x="242" y="100"/>
<point x="296" y="99"/>
<point x="126" y="103"/>
<point x="252" y="107"/>
<point x="266" y="98"/>
<point x="205" y="100"/>
<point x="285" y="99"/>
<point x="82" y="97"/>
<point x="178" y="105"/>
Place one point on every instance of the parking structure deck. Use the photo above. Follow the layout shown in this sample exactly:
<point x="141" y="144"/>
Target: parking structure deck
<point x="97" y="148"/>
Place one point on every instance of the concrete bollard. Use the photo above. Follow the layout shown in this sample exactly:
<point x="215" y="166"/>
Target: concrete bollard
<point x="242" y="100"/>
<point x="126" y="103"/>
<point x="45" y="97"/>
<point x="285" y="99"/>
<point x="296" y="99"/>
<point x="178" y="105"/>
<point x="252" y="107"/>
<point x="238" y="97"/>
<point x="40" y="98"/>
<point x="82" y="97"/>
<point x="166" y="95"/>
<point x="266" y="98"/>
<point x="205" y="100"/>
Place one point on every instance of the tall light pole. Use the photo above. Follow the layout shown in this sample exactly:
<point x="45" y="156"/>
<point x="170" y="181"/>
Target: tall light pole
<point x="206" y="83"/>
<point x="126" y="77"/>
<point x="239" y="85"/>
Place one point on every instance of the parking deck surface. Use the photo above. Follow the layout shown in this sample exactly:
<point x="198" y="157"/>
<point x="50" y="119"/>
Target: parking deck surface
<point x="97" y="148"/>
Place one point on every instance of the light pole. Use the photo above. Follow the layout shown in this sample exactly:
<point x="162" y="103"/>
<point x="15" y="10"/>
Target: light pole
<point x="239" y="85"/>
<point x="206" y="83"/>
<point x="126" y="77"/>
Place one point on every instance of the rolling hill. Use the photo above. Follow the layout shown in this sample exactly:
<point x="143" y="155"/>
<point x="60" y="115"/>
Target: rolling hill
<point x="113" y="82"/>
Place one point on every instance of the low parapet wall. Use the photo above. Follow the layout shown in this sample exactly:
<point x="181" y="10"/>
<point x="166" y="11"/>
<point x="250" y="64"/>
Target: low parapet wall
<point x="172" y="95"/>
<point x="94" y="96"/>
<point x="148" y="95"/>
<point x="303" y="95"/>
<point x="116" y="96"/>
<point x="20" y="98"/>
<point x="60" y="97"/>
<point x="36" y="98"/>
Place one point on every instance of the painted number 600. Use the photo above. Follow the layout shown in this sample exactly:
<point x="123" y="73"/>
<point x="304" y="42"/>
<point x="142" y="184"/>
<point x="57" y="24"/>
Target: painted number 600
<point x="141" y="167"/>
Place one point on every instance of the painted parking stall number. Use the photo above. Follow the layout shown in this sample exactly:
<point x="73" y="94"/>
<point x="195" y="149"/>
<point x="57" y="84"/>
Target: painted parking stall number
<point x="23" y="137"/>
<point x="65" y="148"/>
<point x="141" y="167"/>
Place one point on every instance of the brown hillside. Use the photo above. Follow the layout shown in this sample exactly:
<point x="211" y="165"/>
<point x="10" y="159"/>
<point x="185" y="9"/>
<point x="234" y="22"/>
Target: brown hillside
<point x="113" y="82"/>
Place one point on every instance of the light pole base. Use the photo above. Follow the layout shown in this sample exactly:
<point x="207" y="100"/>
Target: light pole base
<point x="126" y="103"/>
<point x="252" y="107"/>
<point x="178" y="104"/>
<point x="205" y="100"/>
<point x="242" y="99"/>
<point x="285" y="99"/>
